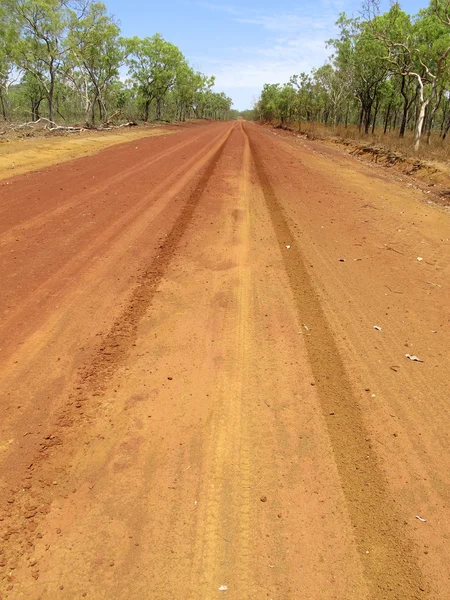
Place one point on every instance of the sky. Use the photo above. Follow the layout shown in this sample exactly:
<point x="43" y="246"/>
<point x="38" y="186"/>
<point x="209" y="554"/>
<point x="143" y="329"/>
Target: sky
<point x="244" y="43"/>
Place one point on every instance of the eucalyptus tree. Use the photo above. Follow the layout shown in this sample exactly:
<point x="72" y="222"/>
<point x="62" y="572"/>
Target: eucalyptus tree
<point x="154" y="66"/>
<point x="335" y="89"/>
<point x="202" y="95"/>
<point x="41" y="46"/>
<point x="268" y="102"/>
<point x="96" y="54"/>
<point x="190" y="86"/>
<point x="7" y="39"/>
<point x="304" y="97"/>
<point x="418" y="49"/>
<point x="360" y="55"/>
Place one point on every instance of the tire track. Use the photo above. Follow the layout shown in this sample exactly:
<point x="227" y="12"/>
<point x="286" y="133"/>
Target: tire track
<point x="82" y="197"/>
<point x="386" y="555"/>
<point x="123" y="332"/>
<point x="112" y="236"/>
<point x="92" y="377"/>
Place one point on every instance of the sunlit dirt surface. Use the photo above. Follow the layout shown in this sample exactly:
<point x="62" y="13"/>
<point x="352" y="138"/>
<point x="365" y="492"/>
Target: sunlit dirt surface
<point x="205" y="387"/>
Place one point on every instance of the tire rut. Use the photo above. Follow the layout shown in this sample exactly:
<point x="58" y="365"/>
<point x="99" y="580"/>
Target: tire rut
<point x="93" y="377"/>
<point x="82" y="197"/>
<point x="123" y="332"/>
<point x="386" y="555"/>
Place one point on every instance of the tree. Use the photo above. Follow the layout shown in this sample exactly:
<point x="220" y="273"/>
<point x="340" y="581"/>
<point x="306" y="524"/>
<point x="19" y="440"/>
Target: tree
<point x="41" y="47"/>
<point x="68" y="54"/>
<point x="359" y="54"/>
<point x="154" y="65"/>
<point x="418" y="49"/>
<point x="96" y="53"/>
<point x="7" y="38"/>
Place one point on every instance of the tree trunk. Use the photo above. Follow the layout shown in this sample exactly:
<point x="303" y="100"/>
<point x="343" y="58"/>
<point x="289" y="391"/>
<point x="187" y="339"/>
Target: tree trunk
<point x="51" y="93"/>
<point x="361" y="117"/>
<point x="406" y="105"/>
<point x="147" y="108"/>
<point x="368" y="112"/>
<point x="419" y="124"/>
<point x="377" y="104"/>
<point x="446" y="130"/>
<point x="432" y="115"/>
<point x="158" y="109"/>
<point x="2" y="102"/>
<point x="444" y="117"/>
<point x="395" y="121"/>
<point x="386" y="120"/>
<point x="35" y="104"/>
<point x="100" y="110"/>
<point x="90" y="122"/>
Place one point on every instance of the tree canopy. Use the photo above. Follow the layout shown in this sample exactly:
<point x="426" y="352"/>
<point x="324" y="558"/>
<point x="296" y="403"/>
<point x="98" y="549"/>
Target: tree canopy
<point x="67" y="60"/>
<point x="388" y="69"/>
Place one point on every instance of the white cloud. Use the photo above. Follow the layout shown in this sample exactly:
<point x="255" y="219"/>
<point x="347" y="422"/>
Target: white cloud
<point x="291" y="43"/>
<point x="287" y="22"/>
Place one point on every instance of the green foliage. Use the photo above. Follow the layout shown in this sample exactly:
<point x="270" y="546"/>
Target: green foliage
<point x="390" y="70"/>
<point x="63" y="59"/>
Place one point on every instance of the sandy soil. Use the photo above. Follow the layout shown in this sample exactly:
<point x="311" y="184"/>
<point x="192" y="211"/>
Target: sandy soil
<point x="205" y="392"/>
<point x="19" y="156"/>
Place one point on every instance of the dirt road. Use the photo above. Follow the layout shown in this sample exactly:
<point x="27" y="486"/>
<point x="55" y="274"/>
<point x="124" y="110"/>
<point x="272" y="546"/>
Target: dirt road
<point x="205" y="388"/>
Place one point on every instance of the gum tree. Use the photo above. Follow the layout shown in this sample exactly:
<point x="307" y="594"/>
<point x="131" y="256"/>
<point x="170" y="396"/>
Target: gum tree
<point x="153" y="65"/>
<point x="96" y="53"/>
<point x="41" y="47"/>
<point x="418" y="49"/>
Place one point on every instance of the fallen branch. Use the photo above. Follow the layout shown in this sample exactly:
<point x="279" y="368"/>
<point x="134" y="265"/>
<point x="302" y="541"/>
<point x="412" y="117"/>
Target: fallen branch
<point x="66" y="128"/>
<point x="51" y="126"/>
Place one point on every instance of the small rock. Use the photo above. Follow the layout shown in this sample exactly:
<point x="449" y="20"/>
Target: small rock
<point x="263" y="498"/>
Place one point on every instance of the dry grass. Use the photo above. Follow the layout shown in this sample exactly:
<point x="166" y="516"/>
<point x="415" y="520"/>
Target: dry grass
<point x="438" y="150"/>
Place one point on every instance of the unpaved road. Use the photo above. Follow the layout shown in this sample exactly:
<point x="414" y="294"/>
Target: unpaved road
<point x="195" y="401"/>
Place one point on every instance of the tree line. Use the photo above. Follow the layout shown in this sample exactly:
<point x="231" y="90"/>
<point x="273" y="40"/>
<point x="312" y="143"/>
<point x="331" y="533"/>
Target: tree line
<point x="66" y="60"/>
<point x="390" y="70"/>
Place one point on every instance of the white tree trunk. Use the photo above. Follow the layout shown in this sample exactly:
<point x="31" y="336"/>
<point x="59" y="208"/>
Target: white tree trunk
<point x="420" y="120"/>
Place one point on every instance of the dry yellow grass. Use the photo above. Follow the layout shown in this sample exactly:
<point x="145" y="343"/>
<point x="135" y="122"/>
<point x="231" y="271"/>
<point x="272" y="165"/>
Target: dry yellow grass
<point x="437" y="150"/>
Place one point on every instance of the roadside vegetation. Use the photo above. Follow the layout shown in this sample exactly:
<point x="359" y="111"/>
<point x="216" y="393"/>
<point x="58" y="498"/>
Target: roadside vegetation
<point x="388" y="77"/>
<point x="66" y="62"/>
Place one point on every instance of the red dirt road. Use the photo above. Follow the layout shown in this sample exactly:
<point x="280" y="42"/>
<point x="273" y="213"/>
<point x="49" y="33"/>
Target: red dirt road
<point x="195" y="401"/>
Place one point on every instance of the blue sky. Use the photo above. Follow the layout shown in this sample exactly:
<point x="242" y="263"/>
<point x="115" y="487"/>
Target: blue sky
<point x="243" y="43"/>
